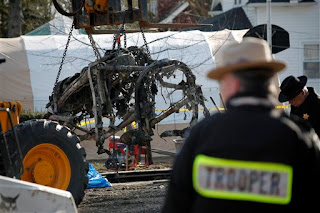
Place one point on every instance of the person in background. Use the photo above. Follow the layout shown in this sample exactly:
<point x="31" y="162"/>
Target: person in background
<point x="252" y="157"/>
<point x="304" y="101"/>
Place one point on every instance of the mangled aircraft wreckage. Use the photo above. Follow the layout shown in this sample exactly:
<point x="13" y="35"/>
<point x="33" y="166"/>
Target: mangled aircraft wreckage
<point x="121" y="85"/>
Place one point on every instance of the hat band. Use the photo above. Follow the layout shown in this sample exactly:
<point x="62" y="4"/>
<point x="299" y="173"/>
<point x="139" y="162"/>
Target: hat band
<point x="241" y="60"/>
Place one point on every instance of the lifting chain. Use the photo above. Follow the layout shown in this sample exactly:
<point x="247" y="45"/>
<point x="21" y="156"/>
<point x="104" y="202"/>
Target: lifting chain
<point x="116" y="36"/>
<point x="145" y="41"/>
<point x="125" y="37"/>
<point x="64" y="54"/>
<point x="94" y="47"/>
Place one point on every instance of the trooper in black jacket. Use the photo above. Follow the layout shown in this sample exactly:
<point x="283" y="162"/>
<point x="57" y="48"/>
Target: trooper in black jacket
<point x="252" y="157"/>
<point x="305" y="101"/>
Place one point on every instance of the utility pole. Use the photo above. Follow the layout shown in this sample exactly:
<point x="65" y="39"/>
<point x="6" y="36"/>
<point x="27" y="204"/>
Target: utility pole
<point x="269" y="27"/>
<point x="276" y="79"/>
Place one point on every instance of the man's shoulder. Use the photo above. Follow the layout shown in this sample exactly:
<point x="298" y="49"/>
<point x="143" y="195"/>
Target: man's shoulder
<point x="304" y="130"/>
<point x="209" y="122"/>
<point x="313" y="93"/>
<point x="215" y="118"/>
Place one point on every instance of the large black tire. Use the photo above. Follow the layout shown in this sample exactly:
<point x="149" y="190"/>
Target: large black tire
<point x="37" y="137"/>
<point x="2" y="168"/>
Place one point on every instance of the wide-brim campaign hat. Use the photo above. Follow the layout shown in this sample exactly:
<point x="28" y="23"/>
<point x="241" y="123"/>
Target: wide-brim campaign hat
<point x="250" y="53"/>
<point x="291" y="87"/>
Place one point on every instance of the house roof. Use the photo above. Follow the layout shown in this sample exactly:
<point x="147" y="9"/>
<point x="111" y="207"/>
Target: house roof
<point x="234" y="19"/>
<point x="218" y="7"/>
<point x="166" y="7"/>
<point x="175" y="13"/>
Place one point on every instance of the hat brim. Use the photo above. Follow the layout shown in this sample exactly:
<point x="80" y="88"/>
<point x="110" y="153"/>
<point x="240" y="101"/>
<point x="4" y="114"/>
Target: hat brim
<point x="303" y="81"/>
<point x="273" y="66"/>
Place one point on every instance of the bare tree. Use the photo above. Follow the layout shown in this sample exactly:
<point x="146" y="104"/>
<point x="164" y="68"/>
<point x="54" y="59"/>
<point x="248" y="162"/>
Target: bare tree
<point x="18" y="17"/>
<point x="200" y="7"/>
<point x="3" y="18"/>
<point x="14" y="22"/>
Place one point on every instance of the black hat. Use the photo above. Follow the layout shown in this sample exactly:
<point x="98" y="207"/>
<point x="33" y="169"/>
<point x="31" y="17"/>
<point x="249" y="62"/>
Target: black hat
<point x="291" y="87"/>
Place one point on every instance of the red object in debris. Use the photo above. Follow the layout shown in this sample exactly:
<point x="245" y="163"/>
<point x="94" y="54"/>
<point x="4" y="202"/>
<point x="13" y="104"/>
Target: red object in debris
<point x="118" y="40"/>
<point x="143" y="150"/>
<point x="117" y="144"/>
<point x="114" y="142"/>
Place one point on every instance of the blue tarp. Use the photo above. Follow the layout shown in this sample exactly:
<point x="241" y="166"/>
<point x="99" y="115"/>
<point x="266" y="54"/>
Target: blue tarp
<point x="95" y="179"/>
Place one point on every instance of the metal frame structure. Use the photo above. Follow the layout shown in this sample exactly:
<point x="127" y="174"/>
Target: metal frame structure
<point x="106" y="87"/>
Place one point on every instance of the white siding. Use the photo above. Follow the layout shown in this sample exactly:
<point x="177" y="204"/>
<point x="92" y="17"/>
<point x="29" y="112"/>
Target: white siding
<point x="301" y="20"/>
<point x="302" y="23"/>
<point x="251" y="14"/>
<point x="227" y="5"/>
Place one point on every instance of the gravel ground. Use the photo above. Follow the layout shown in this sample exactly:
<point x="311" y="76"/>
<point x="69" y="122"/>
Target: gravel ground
<point x="133" y="197"/>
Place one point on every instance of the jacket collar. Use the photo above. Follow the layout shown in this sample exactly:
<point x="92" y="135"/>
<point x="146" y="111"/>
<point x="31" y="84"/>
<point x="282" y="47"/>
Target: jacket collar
<point x="251" y="100"/>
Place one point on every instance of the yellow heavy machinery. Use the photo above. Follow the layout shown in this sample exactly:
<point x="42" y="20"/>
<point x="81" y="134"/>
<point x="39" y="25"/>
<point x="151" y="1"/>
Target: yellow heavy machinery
<point x="14" y="108"/>
<point x="18" y="195"/>
<point x="41" y="151"/>
<point x="9" y="117"/>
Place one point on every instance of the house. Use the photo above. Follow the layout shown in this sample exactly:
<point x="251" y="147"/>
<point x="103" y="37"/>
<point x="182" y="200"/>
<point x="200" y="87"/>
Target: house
<point x="180" y="11"/>
<point x="301" y="18"/>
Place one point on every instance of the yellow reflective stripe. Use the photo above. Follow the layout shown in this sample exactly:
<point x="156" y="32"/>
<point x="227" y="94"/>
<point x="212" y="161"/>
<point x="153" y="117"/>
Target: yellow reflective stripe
<point x="212" y="163"/>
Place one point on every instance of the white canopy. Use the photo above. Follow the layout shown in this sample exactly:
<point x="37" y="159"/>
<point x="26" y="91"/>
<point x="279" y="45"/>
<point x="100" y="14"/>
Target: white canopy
<point x="33" y="61"/>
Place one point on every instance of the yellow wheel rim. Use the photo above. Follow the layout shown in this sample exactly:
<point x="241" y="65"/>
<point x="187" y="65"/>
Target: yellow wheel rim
<point x="48" y="165"/>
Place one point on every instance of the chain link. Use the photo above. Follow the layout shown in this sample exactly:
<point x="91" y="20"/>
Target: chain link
<point x="64" y="54"/>
<point x="116" y="36"/>
<point x="94" y="47"/>
<point x="114" y="40"/>
<point x="123" y="30"/>
<point x="125" y="37"/>
<point x="145" y="41"/>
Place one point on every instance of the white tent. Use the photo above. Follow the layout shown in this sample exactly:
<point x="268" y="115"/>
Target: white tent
<point x="33" y="61"/>
<point x="15" y="75"/>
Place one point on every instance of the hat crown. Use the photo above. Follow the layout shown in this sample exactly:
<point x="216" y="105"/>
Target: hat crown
<point x="289" y="83"/>
<point x="291" y="87"/>
<point x="250" y="50"/>
<point x="251" y="53"/>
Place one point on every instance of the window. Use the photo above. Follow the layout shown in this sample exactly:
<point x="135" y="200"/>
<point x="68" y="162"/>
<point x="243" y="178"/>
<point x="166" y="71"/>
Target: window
<point x="311" y="61"/>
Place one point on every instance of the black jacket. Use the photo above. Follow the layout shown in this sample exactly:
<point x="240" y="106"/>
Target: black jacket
<point x="309" y="110"/>
<point x="250" y="131"/>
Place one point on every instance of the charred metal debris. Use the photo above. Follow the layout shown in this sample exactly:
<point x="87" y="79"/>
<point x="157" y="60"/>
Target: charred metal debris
<point x="122" y="85"/>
